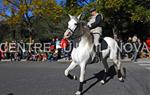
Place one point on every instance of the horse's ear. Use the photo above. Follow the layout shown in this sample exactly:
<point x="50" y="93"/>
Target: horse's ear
<point x="79" y="16"/>
<point x="70" y="16"/>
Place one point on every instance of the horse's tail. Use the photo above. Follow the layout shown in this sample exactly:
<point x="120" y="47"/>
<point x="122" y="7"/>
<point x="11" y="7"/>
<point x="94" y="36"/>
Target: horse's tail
<point x="115" y="52"/>
<point x="118" y="51"/>
<point x="114" y="48"/>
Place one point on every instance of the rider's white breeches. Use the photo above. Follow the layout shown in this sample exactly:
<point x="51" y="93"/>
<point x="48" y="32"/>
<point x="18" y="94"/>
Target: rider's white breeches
<point x="97" y="32"/>
<point x="96" y="39"/>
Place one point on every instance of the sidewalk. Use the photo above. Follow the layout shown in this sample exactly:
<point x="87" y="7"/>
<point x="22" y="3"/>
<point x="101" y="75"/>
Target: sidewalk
<point x="143" y="60"/>
<point x="7" y="60"/>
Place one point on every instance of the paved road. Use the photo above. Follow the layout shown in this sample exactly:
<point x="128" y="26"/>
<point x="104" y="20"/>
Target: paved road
<point x="35" y="78"/>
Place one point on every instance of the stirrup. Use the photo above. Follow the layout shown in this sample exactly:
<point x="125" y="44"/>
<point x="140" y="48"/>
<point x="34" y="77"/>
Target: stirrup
<point x="100" y="56"/>
<point x="96" y="59"/>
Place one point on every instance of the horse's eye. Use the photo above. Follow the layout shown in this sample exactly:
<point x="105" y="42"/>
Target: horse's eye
<point x="76" y="23"/>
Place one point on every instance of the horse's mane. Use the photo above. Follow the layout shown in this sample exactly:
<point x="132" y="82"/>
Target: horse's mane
<point x="85" y="31"/>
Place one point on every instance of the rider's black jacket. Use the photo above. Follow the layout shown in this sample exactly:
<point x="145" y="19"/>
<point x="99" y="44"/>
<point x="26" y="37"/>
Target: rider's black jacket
<point x="97" y="22"/>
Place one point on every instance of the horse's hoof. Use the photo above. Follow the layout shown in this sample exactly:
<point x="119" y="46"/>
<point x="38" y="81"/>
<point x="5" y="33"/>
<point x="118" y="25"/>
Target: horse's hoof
<point x="75" y="77"/>
<point x="78" y="93"/>
<point x="102" y="82"/>
<point x="124" y="73"/>
<point x="84" y="82"/>
<point x="121" y="79"/>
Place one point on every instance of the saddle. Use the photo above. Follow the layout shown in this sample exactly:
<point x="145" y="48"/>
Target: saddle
<point x="103" y="43"/>
<point x="104" y="46"/>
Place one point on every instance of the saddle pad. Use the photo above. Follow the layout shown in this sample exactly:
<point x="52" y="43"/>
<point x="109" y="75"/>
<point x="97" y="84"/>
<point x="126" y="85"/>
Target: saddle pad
<point x="104" y="44"/>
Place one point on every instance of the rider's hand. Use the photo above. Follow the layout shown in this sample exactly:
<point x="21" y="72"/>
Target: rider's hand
<point x="89" y="25"/>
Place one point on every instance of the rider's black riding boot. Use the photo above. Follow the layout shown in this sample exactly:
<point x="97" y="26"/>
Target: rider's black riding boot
<point x="98" y="56"/>
<point x="98" y="52"/>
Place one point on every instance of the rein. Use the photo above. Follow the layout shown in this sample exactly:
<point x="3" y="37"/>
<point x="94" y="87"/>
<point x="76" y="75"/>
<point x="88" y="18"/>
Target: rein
<point x="79" y="26"/>
<point x="71" y="30"/>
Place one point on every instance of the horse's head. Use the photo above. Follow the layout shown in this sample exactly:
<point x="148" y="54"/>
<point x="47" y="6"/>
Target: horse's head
<point x="72" y="25"/>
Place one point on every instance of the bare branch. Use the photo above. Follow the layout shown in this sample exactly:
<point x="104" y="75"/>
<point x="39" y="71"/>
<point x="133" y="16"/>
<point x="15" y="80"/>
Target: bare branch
<point x="26" y="3"/>
<point x="4" y="15"/>
<point x="30" y="2"/>
<point x="13" y="3"/>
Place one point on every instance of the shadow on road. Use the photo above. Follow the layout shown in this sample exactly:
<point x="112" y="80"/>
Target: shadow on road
<point x="10" y="94"/>
<point x="110" y="75"/>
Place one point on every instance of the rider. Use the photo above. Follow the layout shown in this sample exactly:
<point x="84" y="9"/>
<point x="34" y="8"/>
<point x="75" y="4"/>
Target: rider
<point x="95" y="28"/>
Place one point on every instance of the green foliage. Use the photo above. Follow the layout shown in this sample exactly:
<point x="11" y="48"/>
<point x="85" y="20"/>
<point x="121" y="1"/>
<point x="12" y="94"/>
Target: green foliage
<point x="50" y="19"/>
<point x="137" y="9"/>
<point x="46" y="11"/>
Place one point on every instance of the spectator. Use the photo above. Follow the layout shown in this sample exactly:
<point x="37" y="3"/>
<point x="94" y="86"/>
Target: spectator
<point x="13" y="51"/>
<point x="55" y="55"/>
<point x="64" y="45"/>
<point x="134" y="39"/>
<point x="148" y="46"/>
<point x="58" y="48"/>
<point x="136" y="42"/>
<point x="44" y="56"/>
<point x="148" y="43"/>
<point x="50" y="56"/>
<point x="6" y="50"/>
<point x="0" y="54"/>
<point x="128" y="48"/>
<point x="53" y="45"/>
<point x="21" y="51"/>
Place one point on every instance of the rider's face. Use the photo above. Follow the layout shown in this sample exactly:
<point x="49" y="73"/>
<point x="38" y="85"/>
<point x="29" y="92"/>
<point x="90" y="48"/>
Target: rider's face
<point x="93" y="13"/>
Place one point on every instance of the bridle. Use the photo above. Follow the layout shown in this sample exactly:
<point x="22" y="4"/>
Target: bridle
<point x="71" y="30"/>
<point x="75" y="28"/>
<point x="78" y="26"/>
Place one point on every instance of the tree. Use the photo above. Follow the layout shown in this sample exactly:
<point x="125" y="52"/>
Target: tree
<point x="122" y="14"/>
<point x="47" y="17"/>
<point x="3" y="30"/>
<point x="26" y="12"/>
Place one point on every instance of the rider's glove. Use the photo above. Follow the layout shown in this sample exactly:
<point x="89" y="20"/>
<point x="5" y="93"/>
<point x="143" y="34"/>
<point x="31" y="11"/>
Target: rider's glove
<point x="89" y="26"/>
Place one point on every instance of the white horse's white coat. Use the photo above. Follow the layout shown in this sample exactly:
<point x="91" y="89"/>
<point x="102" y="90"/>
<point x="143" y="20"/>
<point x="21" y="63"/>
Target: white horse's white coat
<point x="85" y="53"/>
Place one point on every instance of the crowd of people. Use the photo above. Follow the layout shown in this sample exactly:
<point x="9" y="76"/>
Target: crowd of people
<point x="57" y="50"/>
<point x="135" y="48"/>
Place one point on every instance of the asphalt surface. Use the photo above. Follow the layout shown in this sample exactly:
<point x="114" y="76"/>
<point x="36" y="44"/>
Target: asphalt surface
<point x="44" y="78"/>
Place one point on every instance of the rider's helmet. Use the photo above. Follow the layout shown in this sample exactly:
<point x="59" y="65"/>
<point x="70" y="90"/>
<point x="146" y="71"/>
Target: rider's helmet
<point x="92" y="9"/>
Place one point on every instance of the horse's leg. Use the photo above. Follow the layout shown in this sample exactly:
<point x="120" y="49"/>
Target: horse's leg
<point x="117" y="63"/>
<point x="71" y="66"/>
<point x="104" y="61"/>
<point x="81" y="79"/>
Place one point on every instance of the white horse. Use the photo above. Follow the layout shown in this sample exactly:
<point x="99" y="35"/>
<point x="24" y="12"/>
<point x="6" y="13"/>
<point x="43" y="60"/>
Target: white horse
<point x="85" y="53"/>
